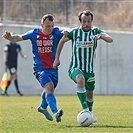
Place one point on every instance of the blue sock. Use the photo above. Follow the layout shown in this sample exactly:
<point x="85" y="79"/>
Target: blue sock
<point x="44" y="103"/>
<point x="51" y="100"/>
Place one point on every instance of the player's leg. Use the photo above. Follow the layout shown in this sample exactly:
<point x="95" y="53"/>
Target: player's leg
<point x="90" y="85"/>
<point x="54" y="78"/>
<point x="8" y="84"/>
<point x="43" y="102"/>
<point x="17" y="87"/>
<point x="90" y="99"/>
<point x="51" y="97"/>
<point x="8" y="81"/>
<point x="14" y="75"/>
<point x="77" y="76"/>
<point x="51" y="100"/>
<point x="42" y="78"/>
<point x="43" y="108"/>
<point x="46" y="81"/>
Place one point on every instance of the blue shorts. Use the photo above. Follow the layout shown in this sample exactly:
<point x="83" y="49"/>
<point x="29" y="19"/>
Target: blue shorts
<point x="46" y="76"/>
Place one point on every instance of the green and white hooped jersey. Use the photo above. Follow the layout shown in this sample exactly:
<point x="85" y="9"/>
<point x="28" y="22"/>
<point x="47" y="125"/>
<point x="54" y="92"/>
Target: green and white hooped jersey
<point x="83" y="48"/>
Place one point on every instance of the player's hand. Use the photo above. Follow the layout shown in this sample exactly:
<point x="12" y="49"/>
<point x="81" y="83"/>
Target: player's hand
<point x="25" y="56"/>
<point x="7" y="35"/>
<point x="65" y="33"/>
<point x="56" y="63"/>
<point x="98" y="36"/>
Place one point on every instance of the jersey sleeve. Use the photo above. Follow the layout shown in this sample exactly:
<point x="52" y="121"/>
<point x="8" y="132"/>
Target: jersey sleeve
<point x="70" y="34"/>
<point x="27" y="35"/>
<point x="6" y="48"/>
<point x="19" y="47"/>
<point x="58" y="32"/>
<point x="99" y="31"/>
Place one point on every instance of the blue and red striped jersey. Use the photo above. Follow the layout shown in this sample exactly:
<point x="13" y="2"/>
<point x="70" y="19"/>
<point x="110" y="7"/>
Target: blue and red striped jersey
<point x="43" y="46"/>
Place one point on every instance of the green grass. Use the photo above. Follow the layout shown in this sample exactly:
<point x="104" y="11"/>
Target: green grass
<point x="19" y="115"/>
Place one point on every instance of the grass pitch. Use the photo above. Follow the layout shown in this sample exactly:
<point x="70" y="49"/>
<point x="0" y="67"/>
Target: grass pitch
<point x="19" y="115"/>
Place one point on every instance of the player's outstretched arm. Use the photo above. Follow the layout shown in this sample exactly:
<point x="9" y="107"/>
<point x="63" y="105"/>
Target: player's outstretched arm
<point x="12" y="37"/>
<point x="59" y="49"/>
<point x="104" y="37"/>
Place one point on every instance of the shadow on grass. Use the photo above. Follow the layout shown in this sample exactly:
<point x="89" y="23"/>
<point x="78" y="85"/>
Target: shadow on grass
<point x="106" y="126"/>
<point x="99" y="126"/>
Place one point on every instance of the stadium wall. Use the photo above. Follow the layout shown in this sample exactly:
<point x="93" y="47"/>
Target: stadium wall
<point x="113" y="66"/>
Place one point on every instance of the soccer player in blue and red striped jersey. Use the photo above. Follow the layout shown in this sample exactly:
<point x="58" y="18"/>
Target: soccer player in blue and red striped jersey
<point x="44" y="42"/>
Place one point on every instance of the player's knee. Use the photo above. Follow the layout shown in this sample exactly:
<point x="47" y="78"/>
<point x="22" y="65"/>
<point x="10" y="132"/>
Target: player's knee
<point x="80" y="79"/>
<point x="49" y="87"/>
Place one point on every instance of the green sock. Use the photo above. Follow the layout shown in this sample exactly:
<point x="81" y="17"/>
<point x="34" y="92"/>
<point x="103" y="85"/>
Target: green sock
<point x="90" y="103"/>
<point x="81" y="92"/>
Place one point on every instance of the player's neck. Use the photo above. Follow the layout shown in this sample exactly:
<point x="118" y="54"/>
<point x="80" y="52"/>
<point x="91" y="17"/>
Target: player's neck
<point x="46" y="32"/>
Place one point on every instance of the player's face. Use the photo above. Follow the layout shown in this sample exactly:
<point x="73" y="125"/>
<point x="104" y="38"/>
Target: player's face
<point x="47" y="27"/>
<point x="86" y="22"/>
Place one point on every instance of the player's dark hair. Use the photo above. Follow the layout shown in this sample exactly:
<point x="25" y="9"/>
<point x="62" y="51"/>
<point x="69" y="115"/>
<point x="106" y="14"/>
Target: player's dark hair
<point x="47" y="16"/>
<point x="86" y="13"/>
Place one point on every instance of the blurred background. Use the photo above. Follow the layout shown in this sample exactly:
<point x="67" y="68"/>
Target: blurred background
<point x="114" y="61"/>
<point x="110" y="14"/>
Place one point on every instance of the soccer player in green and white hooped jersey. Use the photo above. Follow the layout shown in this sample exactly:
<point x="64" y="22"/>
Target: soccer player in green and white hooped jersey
<point x="81" y="71"/>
